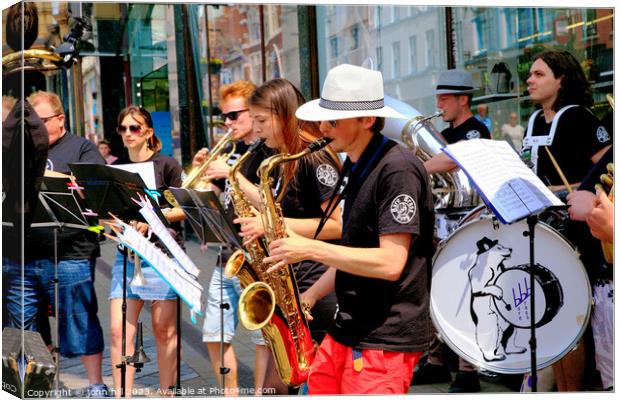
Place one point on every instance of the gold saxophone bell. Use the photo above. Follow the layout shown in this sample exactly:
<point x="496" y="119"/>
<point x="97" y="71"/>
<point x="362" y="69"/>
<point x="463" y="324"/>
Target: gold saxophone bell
<point x="234" y="264"/>
<point x="138" y="278"/>
<point x="195" y="179"/>
<point x="256" y="305"/>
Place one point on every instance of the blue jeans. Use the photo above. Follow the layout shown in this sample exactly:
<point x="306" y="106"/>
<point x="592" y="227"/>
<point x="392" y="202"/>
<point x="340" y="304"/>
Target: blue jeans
<point x="79" y="329"/>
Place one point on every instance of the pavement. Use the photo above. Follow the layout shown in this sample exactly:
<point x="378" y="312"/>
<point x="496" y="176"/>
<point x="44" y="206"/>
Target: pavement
<point x="197" y="376"/>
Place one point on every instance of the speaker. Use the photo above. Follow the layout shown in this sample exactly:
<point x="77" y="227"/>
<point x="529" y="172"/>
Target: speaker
<point x="30" y="366"/>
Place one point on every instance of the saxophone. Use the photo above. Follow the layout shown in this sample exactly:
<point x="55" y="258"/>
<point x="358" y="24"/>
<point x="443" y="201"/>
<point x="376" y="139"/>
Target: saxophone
<point x="273" y="305"/>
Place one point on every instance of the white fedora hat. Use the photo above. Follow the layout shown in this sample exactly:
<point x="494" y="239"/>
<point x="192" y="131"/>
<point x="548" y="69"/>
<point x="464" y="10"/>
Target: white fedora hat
<point x="455" y="81"/>
<point x="349" y="92"/>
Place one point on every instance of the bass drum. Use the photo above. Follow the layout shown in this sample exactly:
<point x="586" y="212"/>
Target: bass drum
<point x="480" y="294"/>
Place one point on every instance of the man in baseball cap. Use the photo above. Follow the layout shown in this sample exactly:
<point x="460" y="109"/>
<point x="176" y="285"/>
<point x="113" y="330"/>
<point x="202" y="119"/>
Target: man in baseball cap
<point x="454" y="92"/>
<point x="380" y="269"/>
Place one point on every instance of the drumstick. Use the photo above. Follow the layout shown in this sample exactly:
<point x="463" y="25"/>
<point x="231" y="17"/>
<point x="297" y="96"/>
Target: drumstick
<point x="559" y="170"/>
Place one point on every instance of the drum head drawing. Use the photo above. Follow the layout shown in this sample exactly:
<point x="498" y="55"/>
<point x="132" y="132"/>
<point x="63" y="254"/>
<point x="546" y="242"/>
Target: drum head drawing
<point x="481" y="295"/>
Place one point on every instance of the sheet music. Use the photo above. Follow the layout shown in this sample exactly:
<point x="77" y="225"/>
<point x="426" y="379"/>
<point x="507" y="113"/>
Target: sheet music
<point x="184" y="284"/>
<point x="146" y="170"/>
<point x="503" y="180"/>
<point x="164" y="235"/>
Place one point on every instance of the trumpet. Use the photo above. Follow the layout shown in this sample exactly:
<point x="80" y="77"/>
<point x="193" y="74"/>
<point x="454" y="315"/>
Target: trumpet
<point x="194" y="179"/>
<point x="138" y="278"/>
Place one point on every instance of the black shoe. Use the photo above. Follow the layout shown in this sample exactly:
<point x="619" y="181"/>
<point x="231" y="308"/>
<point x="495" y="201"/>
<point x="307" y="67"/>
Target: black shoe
<point x="465" y="382"/>
<point x="427" y="374"/>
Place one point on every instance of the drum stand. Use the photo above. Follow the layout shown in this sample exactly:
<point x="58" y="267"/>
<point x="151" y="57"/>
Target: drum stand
<point x="532" y="220"/>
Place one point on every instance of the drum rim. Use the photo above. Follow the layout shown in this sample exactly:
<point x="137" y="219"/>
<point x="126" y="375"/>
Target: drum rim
<point x="491" y="366"/>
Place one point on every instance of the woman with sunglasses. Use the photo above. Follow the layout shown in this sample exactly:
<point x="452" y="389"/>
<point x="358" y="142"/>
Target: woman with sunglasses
<point x="136" y="129"/>
<point x="303" y="188"/>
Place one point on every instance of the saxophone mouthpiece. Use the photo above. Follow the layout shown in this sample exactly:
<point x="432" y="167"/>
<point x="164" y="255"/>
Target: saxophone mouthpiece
<point x="256" y="144"/>
<point x="319" y="144"/>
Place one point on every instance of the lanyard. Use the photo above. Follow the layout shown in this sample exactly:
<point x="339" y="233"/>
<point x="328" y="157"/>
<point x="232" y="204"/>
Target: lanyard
<point x="350" y="179"/>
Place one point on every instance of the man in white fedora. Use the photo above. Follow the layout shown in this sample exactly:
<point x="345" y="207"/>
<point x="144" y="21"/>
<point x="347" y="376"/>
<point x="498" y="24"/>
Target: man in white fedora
<point x="380" y="269"/>
<point x="453" y="93"/>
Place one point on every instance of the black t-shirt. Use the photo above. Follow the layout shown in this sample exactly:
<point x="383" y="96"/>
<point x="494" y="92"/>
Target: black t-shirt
<point x="248" y="170"/>
<point x="579" y="135"/>
<point x="167" y="174"/>
<point x="240" y="149"/>
<point x="394" y="198"/>
<point x="470" y="129"/>
<point x="314" y="183"/>
<point x="73" y="244"/>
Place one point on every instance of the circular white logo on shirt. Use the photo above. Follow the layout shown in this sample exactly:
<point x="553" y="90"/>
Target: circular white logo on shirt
<point x="602" y="135"/>
<point x="473" y="134"/>
<point x="403" y="208"/>
<point x="327" y="175"/>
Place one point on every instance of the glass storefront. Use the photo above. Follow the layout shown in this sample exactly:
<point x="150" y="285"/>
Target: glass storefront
<point x="173" y="58"/>
<point x="410" y="46"/>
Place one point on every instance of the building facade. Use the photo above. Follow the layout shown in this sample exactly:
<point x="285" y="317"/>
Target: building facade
<point x="173" y="58"/>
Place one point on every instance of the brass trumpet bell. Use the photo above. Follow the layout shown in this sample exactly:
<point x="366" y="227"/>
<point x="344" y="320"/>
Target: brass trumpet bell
<point x="257" y="304"/>
<point x="138" y="278"/>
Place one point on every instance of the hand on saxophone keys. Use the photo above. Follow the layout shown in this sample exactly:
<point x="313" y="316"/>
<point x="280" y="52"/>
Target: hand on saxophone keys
<point x="251" y="228"/>
<point x="288" y="250"/>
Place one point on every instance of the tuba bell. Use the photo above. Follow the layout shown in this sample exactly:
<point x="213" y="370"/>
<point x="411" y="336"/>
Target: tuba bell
<point x="451" y="190"/>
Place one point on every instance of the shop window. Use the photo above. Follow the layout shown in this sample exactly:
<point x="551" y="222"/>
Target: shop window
<point x="413" y="54"/>
<point x="355" y="37"/>
<point x="430" y="48"/>
<point x="395" y="60"/>
<point x="333" y="46"/>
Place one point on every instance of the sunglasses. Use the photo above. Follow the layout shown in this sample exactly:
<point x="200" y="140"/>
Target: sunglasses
<point x="134" y="129"/>
<point x="233" y="115"/>
<point x="45" y="119"/>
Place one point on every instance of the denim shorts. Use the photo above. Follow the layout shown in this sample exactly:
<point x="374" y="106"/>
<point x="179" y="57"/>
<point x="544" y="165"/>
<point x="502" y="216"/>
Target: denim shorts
<point x="154" y="289"/>
<point x="79" y="328"/>
<point x="212" y="323"/>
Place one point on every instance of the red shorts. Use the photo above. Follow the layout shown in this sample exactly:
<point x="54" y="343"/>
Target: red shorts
<point x="374" y="371"/>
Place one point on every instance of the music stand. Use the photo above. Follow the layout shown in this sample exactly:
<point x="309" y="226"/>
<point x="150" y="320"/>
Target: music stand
<point x="58" y="208"/>
<point x="210" y="222"/>
<point x="110" y="191"/>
